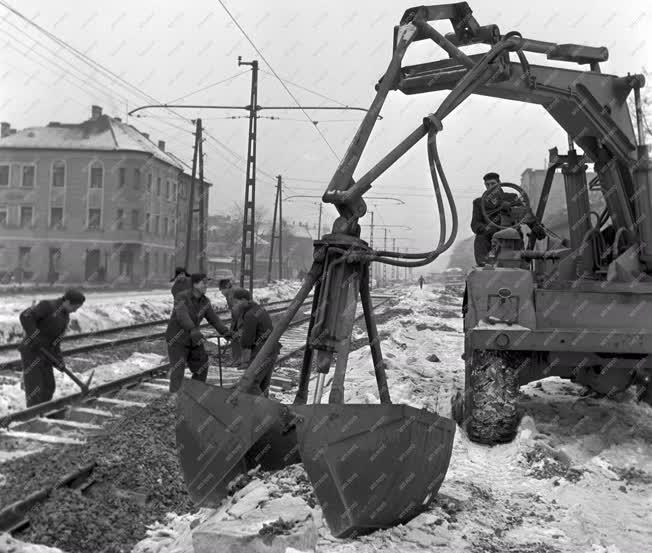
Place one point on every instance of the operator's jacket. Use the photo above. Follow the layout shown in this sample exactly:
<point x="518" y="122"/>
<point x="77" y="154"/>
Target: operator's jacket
<point x="45" y="324"/>
<point x="189" y="311"/>
<point x="484" y="231"/>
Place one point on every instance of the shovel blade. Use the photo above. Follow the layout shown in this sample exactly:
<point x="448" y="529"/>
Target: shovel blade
<point x="373" y="466"/>
<point x="217" y="441"/>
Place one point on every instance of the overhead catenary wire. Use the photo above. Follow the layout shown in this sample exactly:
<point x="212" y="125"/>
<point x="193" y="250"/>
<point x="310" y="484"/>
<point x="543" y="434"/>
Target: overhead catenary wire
<point x="235" y="21"/>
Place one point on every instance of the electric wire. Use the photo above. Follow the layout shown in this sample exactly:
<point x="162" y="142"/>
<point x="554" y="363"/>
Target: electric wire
<point x="235" y="21"/>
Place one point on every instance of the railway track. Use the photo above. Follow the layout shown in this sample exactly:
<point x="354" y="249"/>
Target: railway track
<point x="116" y="336"/>
<point x="70" y="419"/>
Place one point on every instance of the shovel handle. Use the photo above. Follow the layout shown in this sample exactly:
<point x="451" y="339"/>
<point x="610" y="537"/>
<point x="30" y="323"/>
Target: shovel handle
<point x="62" y="367"/>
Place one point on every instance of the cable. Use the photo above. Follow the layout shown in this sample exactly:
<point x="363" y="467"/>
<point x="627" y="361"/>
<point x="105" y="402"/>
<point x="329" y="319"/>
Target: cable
<point x="308" y="90"/>
<point x="207" y="87"/>
<point x="276" y="75"/>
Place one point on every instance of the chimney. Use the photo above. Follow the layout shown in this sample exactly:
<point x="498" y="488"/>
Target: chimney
<point x="96" y="112"/>
<point x="6" y="129"/>
<point x="161" y="145"/>
<point x="146" y="135"/>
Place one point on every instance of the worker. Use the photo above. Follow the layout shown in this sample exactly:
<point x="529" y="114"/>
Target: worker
<point x="226" y="287"/>
<point x="421" y="281"/>
<point x="254" y="325"/>
<point x="181" y="281"/>
<point x="499" y="203"/>
<point x="45" y="324"/>
<point x="183" y="337"/>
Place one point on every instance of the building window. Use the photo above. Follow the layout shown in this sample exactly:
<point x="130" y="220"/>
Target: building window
<point x="94" y="219"/>
<point x="27" y="176"/>
<point x="157" y="222"/>
<point x="167" y="189"/>
<point x="97" y="175"/>
<point x="4" y="216"/>
<point x="136" y="178"/>
<point x="54" y="268"/>
<point x="165" y="226"/>
<point x="5" y="171"/>
<point x="156" y="263"/>
<point x="25" y="262"/>
<point x="56" y="217"/>
<point x="135" y="219"/>
<point x="26" y="216"/>
<point x="147" y="219"/>
<point x="158" y="186"/>
<point x="146" y="264"/>
<point x="59" y="174"/>
<point x="119" y="218"/>
<point x="149" y="182"/>
<point x="174" y="190"/>
<point x="122" y="176"/>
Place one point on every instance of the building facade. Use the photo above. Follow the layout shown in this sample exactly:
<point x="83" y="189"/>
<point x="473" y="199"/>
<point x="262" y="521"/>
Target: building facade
<point x="94" y="202"/>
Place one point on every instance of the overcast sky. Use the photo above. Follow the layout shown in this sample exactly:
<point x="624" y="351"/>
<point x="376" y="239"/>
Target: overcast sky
<point x="169" y="50"/>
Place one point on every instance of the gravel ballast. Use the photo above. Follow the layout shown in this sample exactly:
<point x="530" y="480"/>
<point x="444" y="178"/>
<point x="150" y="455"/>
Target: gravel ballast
<point x="136" y="482"/>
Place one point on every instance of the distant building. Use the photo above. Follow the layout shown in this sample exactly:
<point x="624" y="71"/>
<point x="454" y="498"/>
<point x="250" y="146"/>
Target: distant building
<point x="556" y="213"/>
<point x="91" y="202"/>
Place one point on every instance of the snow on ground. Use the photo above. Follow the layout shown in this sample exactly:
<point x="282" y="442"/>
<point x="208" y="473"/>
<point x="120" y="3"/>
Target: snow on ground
<point x="577" y="478"/>
<point x="111" y="309"/>
<point x="12" y="395"/>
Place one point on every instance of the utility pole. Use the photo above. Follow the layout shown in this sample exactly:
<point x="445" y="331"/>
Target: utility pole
<point x="394" y="268"/>
<point x="321" y="205"/>
<point x="248" y="257"/>
<point x="271" y="244"/>
<point x="280" y="226"/>
<point x="191" y="194"/>
<point x="384" y="265"/>
<point x="202" y="205"/>
<point x="405" y="272"/>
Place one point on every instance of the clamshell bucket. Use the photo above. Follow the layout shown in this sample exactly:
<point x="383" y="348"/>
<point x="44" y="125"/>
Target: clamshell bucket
<point x="373" y="466"/>
<point x="218" y="440"/>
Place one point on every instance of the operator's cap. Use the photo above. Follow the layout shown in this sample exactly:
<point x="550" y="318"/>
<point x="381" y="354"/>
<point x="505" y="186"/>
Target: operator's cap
<point x="179" y="271"/>
<point x="198" y="277"/>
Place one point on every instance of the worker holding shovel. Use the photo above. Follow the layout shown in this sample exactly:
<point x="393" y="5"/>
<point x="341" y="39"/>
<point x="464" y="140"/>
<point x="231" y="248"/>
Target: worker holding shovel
<point x="45" y="324"/>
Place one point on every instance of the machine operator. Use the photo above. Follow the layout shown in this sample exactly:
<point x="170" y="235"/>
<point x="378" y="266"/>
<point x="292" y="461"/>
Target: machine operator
<point x="499" y="204"/>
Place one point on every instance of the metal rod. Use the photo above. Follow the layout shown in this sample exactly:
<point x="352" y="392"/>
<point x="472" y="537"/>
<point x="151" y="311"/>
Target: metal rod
<point x="374" y="341"/>
<point x="301" y="396"/>
<point x="258" y="108"/>
<point x="343" y="175"/>
<point x="219" y="356"/>
<point x="319" y="388"/>
<point x="640" y="127"/>
<point x="452" y="50"/>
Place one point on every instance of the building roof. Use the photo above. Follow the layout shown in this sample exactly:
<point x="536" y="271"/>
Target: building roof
<point x="101" y="134"/>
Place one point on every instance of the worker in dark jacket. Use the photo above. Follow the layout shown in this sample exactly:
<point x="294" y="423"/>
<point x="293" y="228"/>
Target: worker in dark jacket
<point x="181" y="281"/>
<point x="184" y="339"/>
<point x="44" y="324"/>
<point x="254" y="325"/>
<point x="498" y="204"/>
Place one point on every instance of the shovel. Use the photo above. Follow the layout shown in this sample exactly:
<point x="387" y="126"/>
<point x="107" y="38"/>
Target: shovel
<point x="84" y="386"/>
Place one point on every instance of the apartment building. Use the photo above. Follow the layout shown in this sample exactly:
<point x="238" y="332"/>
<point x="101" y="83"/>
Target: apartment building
<point x="91" y="202"/>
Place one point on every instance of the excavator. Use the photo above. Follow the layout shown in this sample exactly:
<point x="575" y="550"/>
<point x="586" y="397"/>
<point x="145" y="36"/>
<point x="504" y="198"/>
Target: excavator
<point x="575" y="311"/>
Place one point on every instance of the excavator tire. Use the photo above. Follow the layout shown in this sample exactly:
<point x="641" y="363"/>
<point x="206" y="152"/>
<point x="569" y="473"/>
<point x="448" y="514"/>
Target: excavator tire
<point x="491" y="413"/>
